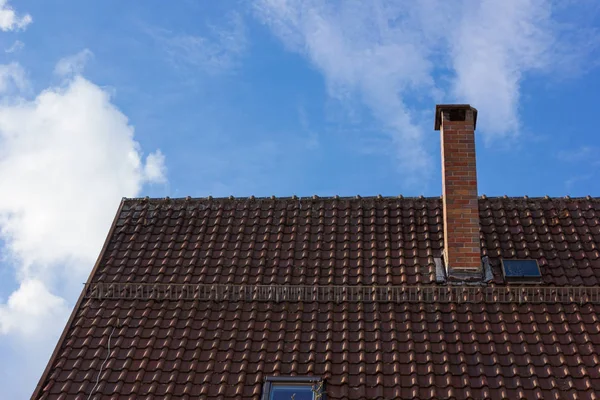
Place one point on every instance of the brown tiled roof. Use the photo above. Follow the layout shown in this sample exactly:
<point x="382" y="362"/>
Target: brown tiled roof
<point x="181" y="349"/>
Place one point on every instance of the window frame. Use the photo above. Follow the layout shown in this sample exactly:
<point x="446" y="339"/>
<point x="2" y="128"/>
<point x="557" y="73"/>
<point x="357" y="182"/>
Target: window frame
<point x="309" y="381"/>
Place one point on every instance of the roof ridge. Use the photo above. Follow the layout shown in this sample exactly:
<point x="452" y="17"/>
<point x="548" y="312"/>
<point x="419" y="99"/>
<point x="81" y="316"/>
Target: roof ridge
<point x="358" y="197"/>
<point x="293" y="197"/>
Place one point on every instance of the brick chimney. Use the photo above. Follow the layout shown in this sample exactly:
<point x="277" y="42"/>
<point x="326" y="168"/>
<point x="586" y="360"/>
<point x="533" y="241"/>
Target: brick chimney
<point x="462" y="252"/>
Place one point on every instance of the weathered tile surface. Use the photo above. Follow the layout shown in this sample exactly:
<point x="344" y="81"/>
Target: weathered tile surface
<point x="189" y="349"/>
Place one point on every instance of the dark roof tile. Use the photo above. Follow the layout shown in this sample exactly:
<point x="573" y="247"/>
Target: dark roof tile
<point x="191" y="348"/>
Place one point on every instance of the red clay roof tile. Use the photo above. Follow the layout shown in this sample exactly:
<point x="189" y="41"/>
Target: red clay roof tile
<point x="182" y="349"/>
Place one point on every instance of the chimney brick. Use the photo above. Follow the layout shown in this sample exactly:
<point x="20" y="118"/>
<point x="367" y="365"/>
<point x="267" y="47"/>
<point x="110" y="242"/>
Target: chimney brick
<point x="462" y="250"/>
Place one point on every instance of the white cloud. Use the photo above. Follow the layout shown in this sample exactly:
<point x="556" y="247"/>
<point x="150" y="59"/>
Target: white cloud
<point x="15" y="47"/>
<point x="494" y="45"/>
<point x="64" y="154"/>
<point x="311" y="137"/>
<point x="32" y="308"/>
<point x="12" y="78"/>
<point x="574" y="180"/>
<point x="67" y="157"/>
<point x="391" y="54"/>
<point x="582" y="154"/>
<point x="216" y="52"/>
<point x="74" y="64"/>
<point x="9" y="20"/>
<point x="155" y="169"/>
<point x="359" y="51"/>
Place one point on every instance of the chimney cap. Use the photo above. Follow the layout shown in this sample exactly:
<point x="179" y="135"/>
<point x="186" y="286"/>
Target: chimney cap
<point x="439" y="108"/>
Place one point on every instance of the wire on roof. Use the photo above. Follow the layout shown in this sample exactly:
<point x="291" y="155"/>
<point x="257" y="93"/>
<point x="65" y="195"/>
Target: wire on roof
<point x="104" y="363"/>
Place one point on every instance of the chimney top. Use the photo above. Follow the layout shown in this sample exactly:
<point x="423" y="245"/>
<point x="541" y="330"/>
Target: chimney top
<point x="456" y="113"/>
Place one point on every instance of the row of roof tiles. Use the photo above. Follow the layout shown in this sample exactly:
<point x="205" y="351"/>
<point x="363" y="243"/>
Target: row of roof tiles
<point x="189" y="349"/>
<point x="190" y="241"/>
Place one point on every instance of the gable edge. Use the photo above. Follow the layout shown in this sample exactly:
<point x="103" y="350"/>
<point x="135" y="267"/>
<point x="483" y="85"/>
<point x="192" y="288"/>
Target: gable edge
<point x="59" y="344"/>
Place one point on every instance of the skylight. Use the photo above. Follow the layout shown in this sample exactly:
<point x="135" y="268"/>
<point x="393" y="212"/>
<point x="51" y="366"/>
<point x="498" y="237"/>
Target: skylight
<point x="293" y="388"/>
<point x="521" y="271"/>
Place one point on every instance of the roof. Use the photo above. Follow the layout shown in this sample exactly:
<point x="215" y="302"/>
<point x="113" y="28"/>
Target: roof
<point x="223" y="347"/>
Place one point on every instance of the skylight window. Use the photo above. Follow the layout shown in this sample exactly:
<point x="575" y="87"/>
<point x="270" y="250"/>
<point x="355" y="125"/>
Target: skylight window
<point x="521" y="271"/>
<point x="293" y="388"/>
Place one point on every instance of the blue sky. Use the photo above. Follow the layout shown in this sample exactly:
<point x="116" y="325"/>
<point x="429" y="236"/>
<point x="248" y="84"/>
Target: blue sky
<point x="110" y="99"/>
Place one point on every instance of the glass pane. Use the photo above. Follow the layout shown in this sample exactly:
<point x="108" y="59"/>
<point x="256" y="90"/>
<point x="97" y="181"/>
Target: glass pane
<point x="521" y="268"/>
<point x="291" y="392"/>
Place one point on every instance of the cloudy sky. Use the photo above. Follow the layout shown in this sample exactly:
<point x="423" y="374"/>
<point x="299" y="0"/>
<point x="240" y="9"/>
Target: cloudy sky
<point x="101" y="100"/>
